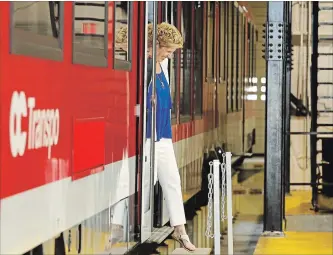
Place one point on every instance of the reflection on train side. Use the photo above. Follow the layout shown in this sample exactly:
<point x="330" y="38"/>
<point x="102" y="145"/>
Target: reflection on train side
<point x="107" y="232"/>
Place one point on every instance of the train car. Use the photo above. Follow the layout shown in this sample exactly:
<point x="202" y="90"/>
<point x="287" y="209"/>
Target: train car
<point x="72" y="117"/>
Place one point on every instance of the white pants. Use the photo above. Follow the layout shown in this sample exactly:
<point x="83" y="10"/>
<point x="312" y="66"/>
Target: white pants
<point x="168" y="175"/>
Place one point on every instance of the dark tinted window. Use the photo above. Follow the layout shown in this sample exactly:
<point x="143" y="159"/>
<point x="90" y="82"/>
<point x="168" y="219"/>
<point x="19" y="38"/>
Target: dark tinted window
<point x="198" y="52"/>
<point x="123" y="17"/>
<point x="37" y="29"/>
<point x="90" y="33"/>
<point x="186" y="60"/>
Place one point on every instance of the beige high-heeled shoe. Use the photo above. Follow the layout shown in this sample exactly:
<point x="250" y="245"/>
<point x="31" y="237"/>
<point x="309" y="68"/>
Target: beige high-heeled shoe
<point x="182" y="240"/>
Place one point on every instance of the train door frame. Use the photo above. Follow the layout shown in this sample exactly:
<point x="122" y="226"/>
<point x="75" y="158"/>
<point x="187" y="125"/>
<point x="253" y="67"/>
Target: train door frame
<point x="147" y="218"/>
<point x="161" y="215"/>
<point x="1" y="50"/>
<point x="139" y="122"/>
<point x="217" y="61"/>
<point x="144" y="219"/>
<point x="209" y="65"/>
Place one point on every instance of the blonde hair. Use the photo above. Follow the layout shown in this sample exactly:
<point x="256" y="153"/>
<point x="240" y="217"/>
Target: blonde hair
<point x="121" y="35"/>
<point x="167" y="35"/>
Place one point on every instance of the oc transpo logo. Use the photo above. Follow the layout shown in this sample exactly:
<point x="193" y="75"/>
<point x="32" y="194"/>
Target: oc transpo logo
<point x="43" y="128"/>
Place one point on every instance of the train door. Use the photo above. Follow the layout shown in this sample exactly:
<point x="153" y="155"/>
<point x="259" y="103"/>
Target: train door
<point x="147" y="165"/>
<point x="153" y="210"/>
<point x="161" y="215"/>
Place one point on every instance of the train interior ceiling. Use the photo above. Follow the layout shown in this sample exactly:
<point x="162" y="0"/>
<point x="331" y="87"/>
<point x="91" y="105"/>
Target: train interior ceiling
<point x="88" y="197"/>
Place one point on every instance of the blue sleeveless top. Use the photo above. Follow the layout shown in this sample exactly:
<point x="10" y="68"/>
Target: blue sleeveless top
<point x="163" y="108"/>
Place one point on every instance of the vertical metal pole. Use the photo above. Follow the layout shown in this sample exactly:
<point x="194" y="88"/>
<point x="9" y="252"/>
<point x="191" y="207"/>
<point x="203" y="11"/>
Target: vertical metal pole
<point x="166" y="11"/>
<point x="172" y="21"/>
<point x="144" y="235"/>
<point x="283" y="115"/>
<point x="217" y="233"/>
<point x="287" y="104"/>
<point x="229" y="204"/>
<point x="275" y="38"/>
<point x="314" y="98"/>
<point x="153" y="122"/>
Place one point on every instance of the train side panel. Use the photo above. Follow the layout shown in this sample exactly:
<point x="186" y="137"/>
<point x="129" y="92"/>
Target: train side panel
<point x="68" y="137"/>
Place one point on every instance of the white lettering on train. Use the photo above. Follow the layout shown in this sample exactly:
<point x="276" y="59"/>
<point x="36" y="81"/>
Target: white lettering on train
<point x="43" y="125"/>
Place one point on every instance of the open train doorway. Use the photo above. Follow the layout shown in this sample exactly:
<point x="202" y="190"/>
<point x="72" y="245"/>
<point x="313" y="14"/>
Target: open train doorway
<point x="147" y="155"/>
<point x="154" y="214"/>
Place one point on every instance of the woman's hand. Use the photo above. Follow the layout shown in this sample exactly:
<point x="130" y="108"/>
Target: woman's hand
<point x="153" y="99"/>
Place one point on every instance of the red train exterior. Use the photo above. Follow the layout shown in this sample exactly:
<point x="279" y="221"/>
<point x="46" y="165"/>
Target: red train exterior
<point x="71" y="138"/>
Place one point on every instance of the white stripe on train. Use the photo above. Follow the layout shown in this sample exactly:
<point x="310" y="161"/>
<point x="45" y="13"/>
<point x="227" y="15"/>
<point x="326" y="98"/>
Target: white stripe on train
<point x="35" y="216"/>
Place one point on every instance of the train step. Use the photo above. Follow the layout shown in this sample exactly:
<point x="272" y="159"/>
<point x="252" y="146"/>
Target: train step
<point x="201" y="251"/>
<point x="326" y="8"/>
<point x="325" y="111"/>
<point x="325" y="124"/>
<point x="321" y="39"/>
<point x="325" y="83"/>
<point x="325" y="23"/>
<point x="325" y="53"/>
<point x="325" y="68"/>
<point x="160" y="234"/>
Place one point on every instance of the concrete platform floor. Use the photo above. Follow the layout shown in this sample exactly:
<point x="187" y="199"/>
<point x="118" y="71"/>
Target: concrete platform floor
<point x="248" y="225"/>
<point x="247" y="231"/>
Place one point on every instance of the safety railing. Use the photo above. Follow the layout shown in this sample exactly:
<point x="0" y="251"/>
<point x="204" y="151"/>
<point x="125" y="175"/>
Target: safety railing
<point x="219" y="196"/>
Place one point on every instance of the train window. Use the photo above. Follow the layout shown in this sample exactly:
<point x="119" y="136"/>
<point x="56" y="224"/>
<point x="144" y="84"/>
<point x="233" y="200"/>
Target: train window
<point x="186" y="60"/>
<point x="172" y="11"/>
<point x="242" y="67"/>
<point x="248" y="74"/>
<point x="241" y="70"/>
<point x="162" y="12"/>
<point x="222" y="44"/>
<point x="237" y="59"/>
<point x="233" y="64"/>
<point x="198" y="56"/>
<point x="250" y="51"/>
<point x="210" y="40"/>
<point x="244" y="57"/>
<point x="90" y="32"/>
<point x="252" y="56"/>
<point x="226" y="51"/>
<point x="123" y="18"/>
<point x="230" y="54"/>
<point x="37" y="29"/>
<point x="254" y="52"/>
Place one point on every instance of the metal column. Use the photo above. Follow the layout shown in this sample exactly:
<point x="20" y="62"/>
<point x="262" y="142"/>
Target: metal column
<point x="287" y="98"/>
<point x="314" y="99"/>
<point x="274" y="156"/>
